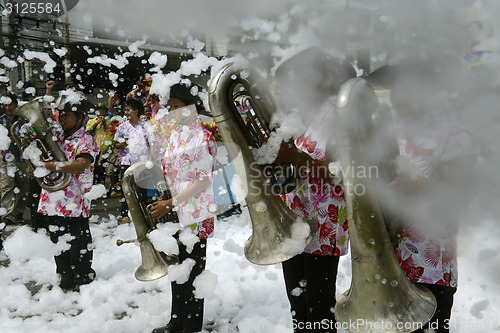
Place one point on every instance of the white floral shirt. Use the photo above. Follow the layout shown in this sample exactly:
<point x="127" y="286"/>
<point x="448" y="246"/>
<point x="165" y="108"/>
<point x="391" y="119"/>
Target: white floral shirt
<point x="191" y="154"/>
<point x="139" y="139"/>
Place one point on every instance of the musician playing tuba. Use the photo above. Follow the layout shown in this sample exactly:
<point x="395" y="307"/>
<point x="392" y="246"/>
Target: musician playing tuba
<point x="14" y="169"/>
<point x="66" y="212"/>
<point x="188" y="164"/>
<point x="309" y="82"/>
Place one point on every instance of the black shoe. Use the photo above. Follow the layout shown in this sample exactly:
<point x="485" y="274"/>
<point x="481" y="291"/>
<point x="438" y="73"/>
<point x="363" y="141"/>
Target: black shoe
<point x="169" y="328"/>
<point x="74" y="288"/>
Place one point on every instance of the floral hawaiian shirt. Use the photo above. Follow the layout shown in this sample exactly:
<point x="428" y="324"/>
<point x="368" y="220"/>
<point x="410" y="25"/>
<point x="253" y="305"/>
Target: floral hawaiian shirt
<point x="102" y="135"/>
<point x="71" y="200"/>
<point x="318" y="199"/>
<point x="191" y="154"/>
<point x="139" y="139"/>
<point x="426" y="259"/>
<point x="424" y="144"/>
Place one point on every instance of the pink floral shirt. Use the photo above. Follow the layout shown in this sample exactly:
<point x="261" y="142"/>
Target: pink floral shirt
<point x="71" y="200"/>
<point x="425" y="258"/>
<point x="191" y="154"/>
<point x="318" y="199"/>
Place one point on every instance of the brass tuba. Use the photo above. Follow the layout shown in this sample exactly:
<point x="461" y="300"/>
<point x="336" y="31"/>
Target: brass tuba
<point x="381" y="298"/>
<point x="243" y="113"/>
<point x="154" y="264"/>
<point x="33" y="112"/>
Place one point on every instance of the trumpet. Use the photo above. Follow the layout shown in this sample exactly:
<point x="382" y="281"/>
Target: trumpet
<point x="243" y="112"/>
<point x="154" y="264"/>
<point x="33" y="112"/>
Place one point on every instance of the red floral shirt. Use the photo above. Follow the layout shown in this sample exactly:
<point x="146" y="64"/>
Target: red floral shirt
<point x="426" y="259"/>
<point x="424" y="144"/>
<point x="71" y="200"/>
<point x="318" y="199"/>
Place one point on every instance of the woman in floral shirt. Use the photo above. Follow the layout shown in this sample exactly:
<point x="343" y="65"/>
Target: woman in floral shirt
<point x="188" y="165"/>
<point x="307" y="80"/>
<point x="66" y="212"/>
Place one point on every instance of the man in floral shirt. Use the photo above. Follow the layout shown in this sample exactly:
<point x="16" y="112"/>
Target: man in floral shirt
<point x="308" y="80"/>
<point x="188" y="165"/>
<point x="66" y="212"/>
<point x="13" y="169"/>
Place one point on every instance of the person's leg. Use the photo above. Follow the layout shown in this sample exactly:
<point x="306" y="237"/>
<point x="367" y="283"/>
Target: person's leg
<point x="176" y="308"/>
<point x="321" y="275"/>
<point x="124" y="206"/>
<point x="40" y="222"/>
<point x="99" y="174"/>
<point x="81" y="251"/>
<point x="58" y="227"/>
<point x="109" y="178"/>
<point x="192" y="307"/>
<point x="32" y="202"/>
<point x="295" y="284"/>
<point x="440" y="321"/>
<point x="22" y="189"/>
<point x="186" y="309"/>
<point x="7" y="195"/>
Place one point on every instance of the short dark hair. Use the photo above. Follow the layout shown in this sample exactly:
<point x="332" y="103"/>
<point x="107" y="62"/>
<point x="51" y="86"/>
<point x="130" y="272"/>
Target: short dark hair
<point x="13" y="98"/>
<point x="183" y="92"/>
<point x="136" y="105"/>
<point x="73" y="102"/>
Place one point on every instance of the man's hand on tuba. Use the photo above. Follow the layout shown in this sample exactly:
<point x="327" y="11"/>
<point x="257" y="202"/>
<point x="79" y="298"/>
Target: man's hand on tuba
<point x="289" y="153"/>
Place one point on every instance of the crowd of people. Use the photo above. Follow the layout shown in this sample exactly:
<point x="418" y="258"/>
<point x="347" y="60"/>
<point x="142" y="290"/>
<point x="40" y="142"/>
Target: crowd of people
<point x="99" y="148"/>
<point x="120" y="133"/>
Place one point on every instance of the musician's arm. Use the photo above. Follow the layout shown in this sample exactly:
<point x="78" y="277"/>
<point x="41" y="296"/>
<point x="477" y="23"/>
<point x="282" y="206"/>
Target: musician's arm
<point x="80" y="164"/>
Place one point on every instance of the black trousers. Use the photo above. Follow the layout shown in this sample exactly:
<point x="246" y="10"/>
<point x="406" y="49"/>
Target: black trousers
<point x="32" y="202"/>
<point x="440" y="322"/>
<point x="187" y="310"/>
<point x="99" y="173"/>
<point x="310" y="285"/>
<point x="75" y="264"/>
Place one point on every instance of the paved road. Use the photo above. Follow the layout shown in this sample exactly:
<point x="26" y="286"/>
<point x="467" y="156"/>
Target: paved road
<point x="105" y="206"/>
